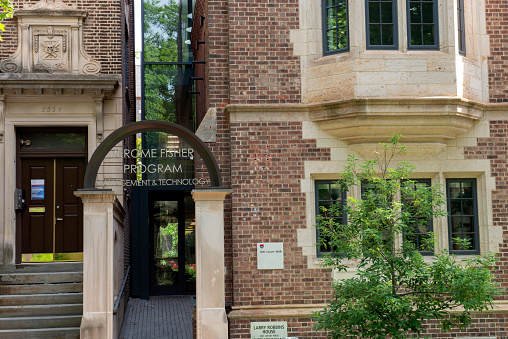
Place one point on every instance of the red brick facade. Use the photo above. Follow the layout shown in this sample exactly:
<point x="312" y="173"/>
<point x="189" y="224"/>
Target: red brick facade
<point x="250" y="61"/>
<point x="496" y="14"/>
<point x="102" y="33"/>
<point x="268" y="206"/>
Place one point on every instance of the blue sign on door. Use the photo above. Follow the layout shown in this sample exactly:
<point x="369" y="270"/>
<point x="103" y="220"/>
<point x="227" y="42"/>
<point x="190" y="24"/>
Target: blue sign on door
<point x="37" y="189"/>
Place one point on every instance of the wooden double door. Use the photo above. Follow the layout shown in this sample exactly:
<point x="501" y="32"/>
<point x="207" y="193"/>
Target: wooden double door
<point x="52" y="216"/>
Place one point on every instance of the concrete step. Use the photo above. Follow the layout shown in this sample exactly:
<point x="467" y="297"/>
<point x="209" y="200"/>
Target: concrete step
<point x="41" y="288"/>
<point x="41" y="299"/>
<point x="40" y="310"/>
<point x="43" y="267"/>
<point x="40" y="278"/>
<point x="42" y="333"/>
<point x="40" y="322"/>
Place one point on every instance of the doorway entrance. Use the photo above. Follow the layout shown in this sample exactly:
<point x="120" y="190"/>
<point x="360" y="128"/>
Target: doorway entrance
<point x="163" y="242"/>
<point x="51" y="217"/>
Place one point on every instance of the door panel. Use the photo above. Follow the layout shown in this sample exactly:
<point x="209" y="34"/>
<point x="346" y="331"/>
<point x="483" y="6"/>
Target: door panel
<point x="37" y="217"/>
<point x="52" y="221"/>
<point x="68" y="207"/>
<point x="172" y="253"/>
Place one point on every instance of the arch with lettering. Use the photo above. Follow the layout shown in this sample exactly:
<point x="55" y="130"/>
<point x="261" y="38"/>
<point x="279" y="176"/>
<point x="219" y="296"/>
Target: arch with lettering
<point x="151" y="126"/>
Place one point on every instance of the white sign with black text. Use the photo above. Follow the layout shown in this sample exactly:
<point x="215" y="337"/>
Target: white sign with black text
<point x="268" y="330"/>
<point x="270" y="256"/>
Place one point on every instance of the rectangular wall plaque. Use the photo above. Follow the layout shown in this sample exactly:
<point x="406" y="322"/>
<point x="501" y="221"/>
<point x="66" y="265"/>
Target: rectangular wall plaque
<point x="270" y="256"/>
<point x="37" y="189"/>
<point x="269" y="330"/>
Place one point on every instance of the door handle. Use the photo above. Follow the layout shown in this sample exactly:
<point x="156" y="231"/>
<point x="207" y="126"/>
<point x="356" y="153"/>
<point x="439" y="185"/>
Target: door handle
<point x="59" y="219"/>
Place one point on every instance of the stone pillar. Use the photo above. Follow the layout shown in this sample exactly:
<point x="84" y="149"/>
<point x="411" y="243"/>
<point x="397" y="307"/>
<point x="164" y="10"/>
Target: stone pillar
<point x="211" y="319"/>
<point x="98" y="263"/>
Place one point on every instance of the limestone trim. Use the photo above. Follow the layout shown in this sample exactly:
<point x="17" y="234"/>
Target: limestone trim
<point x="211" y="318"/>
<point x="50" y="40"/>
<point x="210" y="194"/>
<point x="426" y="123"/>
<point x="49" y="4"/>
<point x="2" y="116"/>
<point x="289" y="311"/>
<point x="97" y="196"/>
<point x="279" y="312"/>
<point x="380" y="73"/>
<point x="67" y="84"/>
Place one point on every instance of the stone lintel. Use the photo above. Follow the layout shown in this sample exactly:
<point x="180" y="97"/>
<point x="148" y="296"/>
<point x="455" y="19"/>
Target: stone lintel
<point x="96" y="195"/>
<point x="49" y="12"/>
<point x="210" y="194"/>
<point x="39" y="83"/>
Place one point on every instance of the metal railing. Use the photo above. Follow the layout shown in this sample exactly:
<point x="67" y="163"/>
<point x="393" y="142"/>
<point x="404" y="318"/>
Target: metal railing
<point x="119" y="299"/>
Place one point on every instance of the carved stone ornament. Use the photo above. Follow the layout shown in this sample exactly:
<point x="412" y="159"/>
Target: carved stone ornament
<point x="50" y="4"/>
<point x="49" y="48"/>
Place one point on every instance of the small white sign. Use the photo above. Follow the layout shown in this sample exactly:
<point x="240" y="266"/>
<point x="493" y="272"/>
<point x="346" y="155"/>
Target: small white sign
<point x="270" y="256"/>
<point x="268" y="330"/>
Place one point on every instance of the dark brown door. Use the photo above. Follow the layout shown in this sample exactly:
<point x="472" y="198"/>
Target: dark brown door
<point x="52" y="221"/>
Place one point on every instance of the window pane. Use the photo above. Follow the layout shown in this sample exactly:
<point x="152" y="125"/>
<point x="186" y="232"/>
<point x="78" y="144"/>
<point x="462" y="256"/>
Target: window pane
<point x="386" y="12"/>
<point x="374" y="16"/>
<point x="329" y="194"/>
<point x="166" y="96"/>
<point x="415" y="10"/>
<point x="387" y="34"/>
<point x="428" y="34"/>
<point x="416" y="35"/>
<point x="427" y="13"/>
<point x="455" y="190"/>
<point x="462" y="220"/>
<point x="375" y="35"/>
<point x="166" y="38"/>
<point x="455" y="207"/>
<point x="421" y="226"/>
<point x="74" y="140"/>
<point x="331" y="18"/>
<point x="422" y="23"/>
<point x="467" y="190"/>
<point x="335" y="26"/>
<point x="467" y="207"/>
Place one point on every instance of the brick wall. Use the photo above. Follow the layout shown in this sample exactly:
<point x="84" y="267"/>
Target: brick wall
<point x="496" y="14"/>
<point x="102" y="32"/>
<point x="262" y="66"/>
<point x="494" y="148"/>
<point x="217" y="96"/>
<point x="266" y="168"/>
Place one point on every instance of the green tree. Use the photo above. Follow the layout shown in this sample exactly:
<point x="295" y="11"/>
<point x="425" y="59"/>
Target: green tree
<point x="395" y="289"/>
<point x="6" y="10"/>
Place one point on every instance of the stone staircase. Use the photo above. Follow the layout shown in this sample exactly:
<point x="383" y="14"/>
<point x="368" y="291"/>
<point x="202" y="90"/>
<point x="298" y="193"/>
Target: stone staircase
<point x="43" y="300"/>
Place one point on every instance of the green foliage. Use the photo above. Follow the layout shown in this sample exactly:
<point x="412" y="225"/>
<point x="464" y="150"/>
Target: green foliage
<point x="6" y="10"/>
<point x="395" y="289"/>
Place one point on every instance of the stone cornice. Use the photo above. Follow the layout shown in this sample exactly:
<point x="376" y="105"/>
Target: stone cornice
<point x="425" y="123"/>
<point x="41" y="83"/>
<point x="305" y="311"/>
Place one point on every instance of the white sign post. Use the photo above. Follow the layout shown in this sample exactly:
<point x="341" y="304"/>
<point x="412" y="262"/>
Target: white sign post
<point x="270" y="256"/>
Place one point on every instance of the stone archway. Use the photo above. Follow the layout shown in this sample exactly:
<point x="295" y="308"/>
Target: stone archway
<point x="99" y="248"/>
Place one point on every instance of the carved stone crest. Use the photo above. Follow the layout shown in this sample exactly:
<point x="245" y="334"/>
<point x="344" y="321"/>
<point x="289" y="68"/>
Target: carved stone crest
<point x="46" y="48"/>
<point x="50" y="4"/>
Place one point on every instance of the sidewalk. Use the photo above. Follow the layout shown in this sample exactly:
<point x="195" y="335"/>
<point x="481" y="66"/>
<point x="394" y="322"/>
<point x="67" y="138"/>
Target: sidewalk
<point x="168" y="317"/>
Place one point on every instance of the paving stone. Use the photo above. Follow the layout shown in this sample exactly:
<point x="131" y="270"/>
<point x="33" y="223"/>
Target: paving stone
<point x="168" y="317"/>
